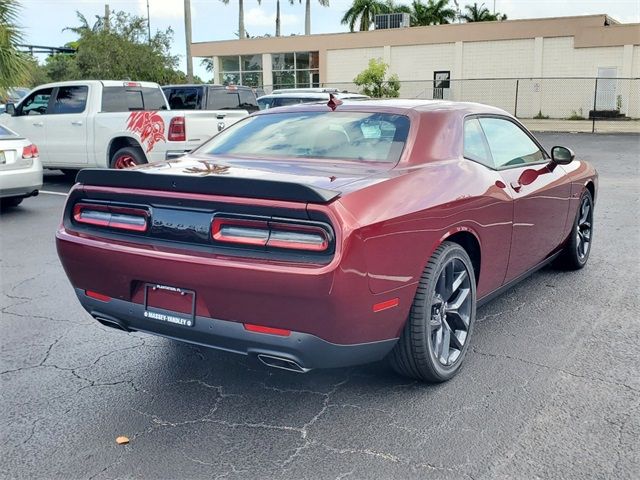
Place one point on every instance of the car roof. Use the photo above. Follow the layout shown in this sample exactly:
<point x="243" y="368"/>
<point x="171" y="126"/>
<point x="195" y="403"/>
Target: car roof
<point x="245" y="87"/>
<point x="397" y="106"/>
<point x="313" y="95"/>
<point x="106" y="83"/>
<point x="278" y="91"/>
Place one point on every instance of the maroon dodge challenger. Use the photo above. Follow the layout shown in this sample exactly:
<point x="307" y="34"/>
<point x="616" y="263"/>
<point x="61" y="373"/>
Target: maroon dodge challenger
<point x="329" y="235"/>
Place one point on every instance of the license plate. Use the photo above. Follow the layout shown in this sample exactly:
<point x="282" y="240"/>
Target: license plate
<point x="3" y="159"/>
<point x="170" y="304"/>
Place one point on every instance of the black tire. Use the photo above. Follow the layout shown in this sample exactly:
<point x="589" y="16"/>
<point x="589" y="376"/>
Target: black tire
<point x="127" y="157"/>
<point x="414" y="355"/>
<point x="576" y="251"/>
<point x="10" y="202"/>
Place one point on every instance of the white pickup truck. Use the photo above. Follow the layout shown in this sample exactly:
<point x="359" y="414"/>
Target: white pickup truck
<point x="111" y="124"/>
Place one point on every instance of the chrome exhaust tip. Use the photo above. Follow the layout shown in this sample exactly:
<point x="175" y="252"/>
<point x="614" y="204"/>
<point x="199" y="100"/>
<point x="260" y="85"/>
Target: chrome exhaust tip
<point x="112" y="323"/>
<point x="281" y="363"/>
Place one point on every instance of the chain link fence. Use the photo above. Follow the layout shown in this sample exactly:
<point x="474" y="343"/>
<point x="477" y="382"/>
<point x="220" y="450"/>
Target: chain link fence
<point x="543" y="104"/>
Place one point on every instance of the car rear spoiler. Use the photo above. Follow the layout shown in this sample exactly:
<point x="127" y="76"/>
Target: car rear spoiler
<point x="211" y="185"/>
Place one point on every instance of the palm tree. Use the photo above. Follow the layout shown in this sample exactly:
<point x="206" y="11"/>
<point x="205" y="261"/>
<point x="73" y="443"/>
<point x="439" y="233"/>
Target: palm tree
<point x="307" y="13"/>
<point x="365" y="11"/>
<point x="435" y="12"/>
<point x="481" y="13"/>
<point x="241" y="31"/>
<point x="14" y="66"/>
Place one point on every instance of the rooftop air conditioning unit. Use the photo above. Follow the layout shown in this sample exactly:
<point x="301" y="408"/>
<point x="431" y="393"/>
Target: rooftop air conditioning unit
<point x="392" y="20"/>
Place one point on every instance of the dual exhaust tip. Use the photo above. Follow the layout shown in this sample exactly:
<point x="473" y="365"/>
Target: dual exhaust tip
<point x="282" y="363"/>
<point x="268" y="360"/>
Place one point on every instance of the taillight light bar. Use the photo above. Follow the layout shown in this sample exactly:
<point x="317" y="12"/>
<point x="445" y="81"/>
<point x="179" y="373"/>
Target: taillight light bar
<point x="121" y="218"/>
<point x="266" y="233"/>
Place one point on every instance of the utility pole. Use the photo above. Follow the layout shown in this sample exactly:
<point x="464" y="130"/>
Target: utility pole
<point x="106" y="17"/>
<point x="277" y="18"/>
<point x="187" y="35"/>
<point x="148" y="22"/>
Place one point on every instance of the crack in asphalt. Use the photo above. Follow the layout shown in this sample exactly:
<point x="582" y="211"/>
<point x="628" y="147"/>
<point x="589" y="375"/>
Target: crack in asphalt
<point x="391" y="458"/>
<point x="555" y="369"/>
<point x="498" y="314"/>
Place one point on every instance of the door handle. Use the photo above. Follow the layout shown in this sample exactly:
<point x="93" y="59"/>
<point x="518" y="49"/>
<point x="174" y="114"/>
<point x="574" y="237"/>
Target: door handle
<point x="76" y="122"/>
<point x="516" y="186"/>
<point x="38" y="124"/>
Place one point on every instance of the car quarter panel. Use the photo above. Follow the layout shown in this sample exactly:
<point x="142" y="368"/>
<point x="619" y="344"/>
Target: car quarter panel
<point x="404" y="220"/>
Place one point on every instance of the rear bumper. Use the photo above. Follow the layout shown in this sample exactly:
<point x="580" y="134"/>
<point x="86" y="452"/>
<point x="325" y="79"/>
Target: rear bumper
<point x="306" y="350"/>
<point x="21" y="182"/>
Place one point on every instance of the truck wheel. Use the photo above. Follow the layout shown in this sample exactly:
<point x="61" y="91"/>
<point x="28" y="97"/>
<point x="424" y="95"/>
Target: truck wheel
<point x="127" y="157"/>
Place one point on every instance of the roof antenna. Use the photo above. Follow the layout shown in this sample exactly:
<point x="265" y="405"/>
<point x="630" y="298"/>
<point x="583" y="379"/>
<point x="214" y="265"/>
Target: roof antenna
<point x="333" y="102"/>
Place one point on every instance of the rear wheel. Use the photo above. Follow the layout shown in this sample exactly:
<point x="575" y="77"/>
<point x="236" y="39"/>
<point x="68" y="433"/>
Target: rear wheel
<point x="436" y="336"/>
<point x="576" y="251"/>
<point x="127" y="157"/>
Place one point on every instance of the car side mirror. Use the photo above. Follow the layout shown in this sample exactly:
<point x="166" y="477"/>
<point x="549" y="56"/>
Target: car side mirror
<point x="562" y="155"/>
<point x="11" y="109"/>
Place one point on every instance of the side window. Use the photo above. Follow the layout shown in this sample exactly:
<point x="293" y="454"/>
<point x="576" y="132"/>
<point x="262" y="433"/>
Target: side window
<point x="121" y="99"/>
<point x="36" y="103"/>
<point x="71" y="99"/>
<point x="509" y="145"/>
<point x="475" y="145"/>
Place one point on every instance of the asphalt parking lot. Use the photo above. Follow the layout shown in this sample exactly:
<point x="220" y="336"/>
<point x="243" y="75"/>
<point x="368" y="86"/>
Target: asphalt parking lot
<point x="550" y="389"/>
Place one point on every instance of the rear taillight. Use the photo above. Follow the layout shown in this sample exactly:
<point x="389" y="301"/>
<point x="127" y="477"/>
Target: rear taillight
<point x="30" y="151"/>
<point x="121" y="218"/>
<point x="177" y="132"/>
<point x="266" y="233"/>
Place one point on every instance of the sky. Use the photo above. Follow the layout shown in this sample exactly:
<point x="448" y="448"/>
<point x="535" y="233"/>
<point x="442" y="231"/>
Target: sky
<point x="43" y="21"/>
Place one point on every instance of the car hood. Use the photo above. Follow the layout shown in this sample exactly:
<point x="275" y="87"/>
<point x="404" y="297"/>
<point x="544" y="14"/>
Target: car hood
<point x="334" y="175"/>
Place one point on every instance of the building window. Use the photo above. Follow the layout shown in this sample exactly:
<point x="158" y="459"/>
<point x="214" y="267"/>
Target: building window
<point x="295" y="69"/>
<point x="241" y="70"/>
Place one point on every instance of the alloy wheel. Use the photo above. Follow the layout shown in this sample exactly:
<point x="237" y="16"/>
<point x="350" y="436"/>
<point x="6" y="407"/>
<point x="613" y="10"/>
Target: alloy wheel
<point x="450" y="313"/>
<point x="583" y="228"/>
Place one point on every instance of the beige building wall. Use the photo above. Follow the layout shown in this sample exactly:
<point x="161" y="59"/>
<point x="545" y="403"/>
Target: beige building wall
<point x="498" y="59"/>
<point x="561" y="59"/>
<point x="416" y="63"/>
<point x="344" y="65"/>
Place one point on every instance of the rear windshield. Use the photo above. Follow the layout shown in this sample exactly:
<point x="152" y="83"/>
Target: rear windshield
<point x="126" y="99"/>
<point x="375" y="137"/>
<point x="231" y="99"/>
<point x="6" y="133"/>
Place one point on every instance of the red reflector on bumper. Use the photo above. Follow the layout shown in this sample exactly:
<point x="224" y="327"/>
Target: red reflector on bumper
<point x="378" y="307"/>
<point x="268" y="330"/>
<point x="97" y="296"/>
